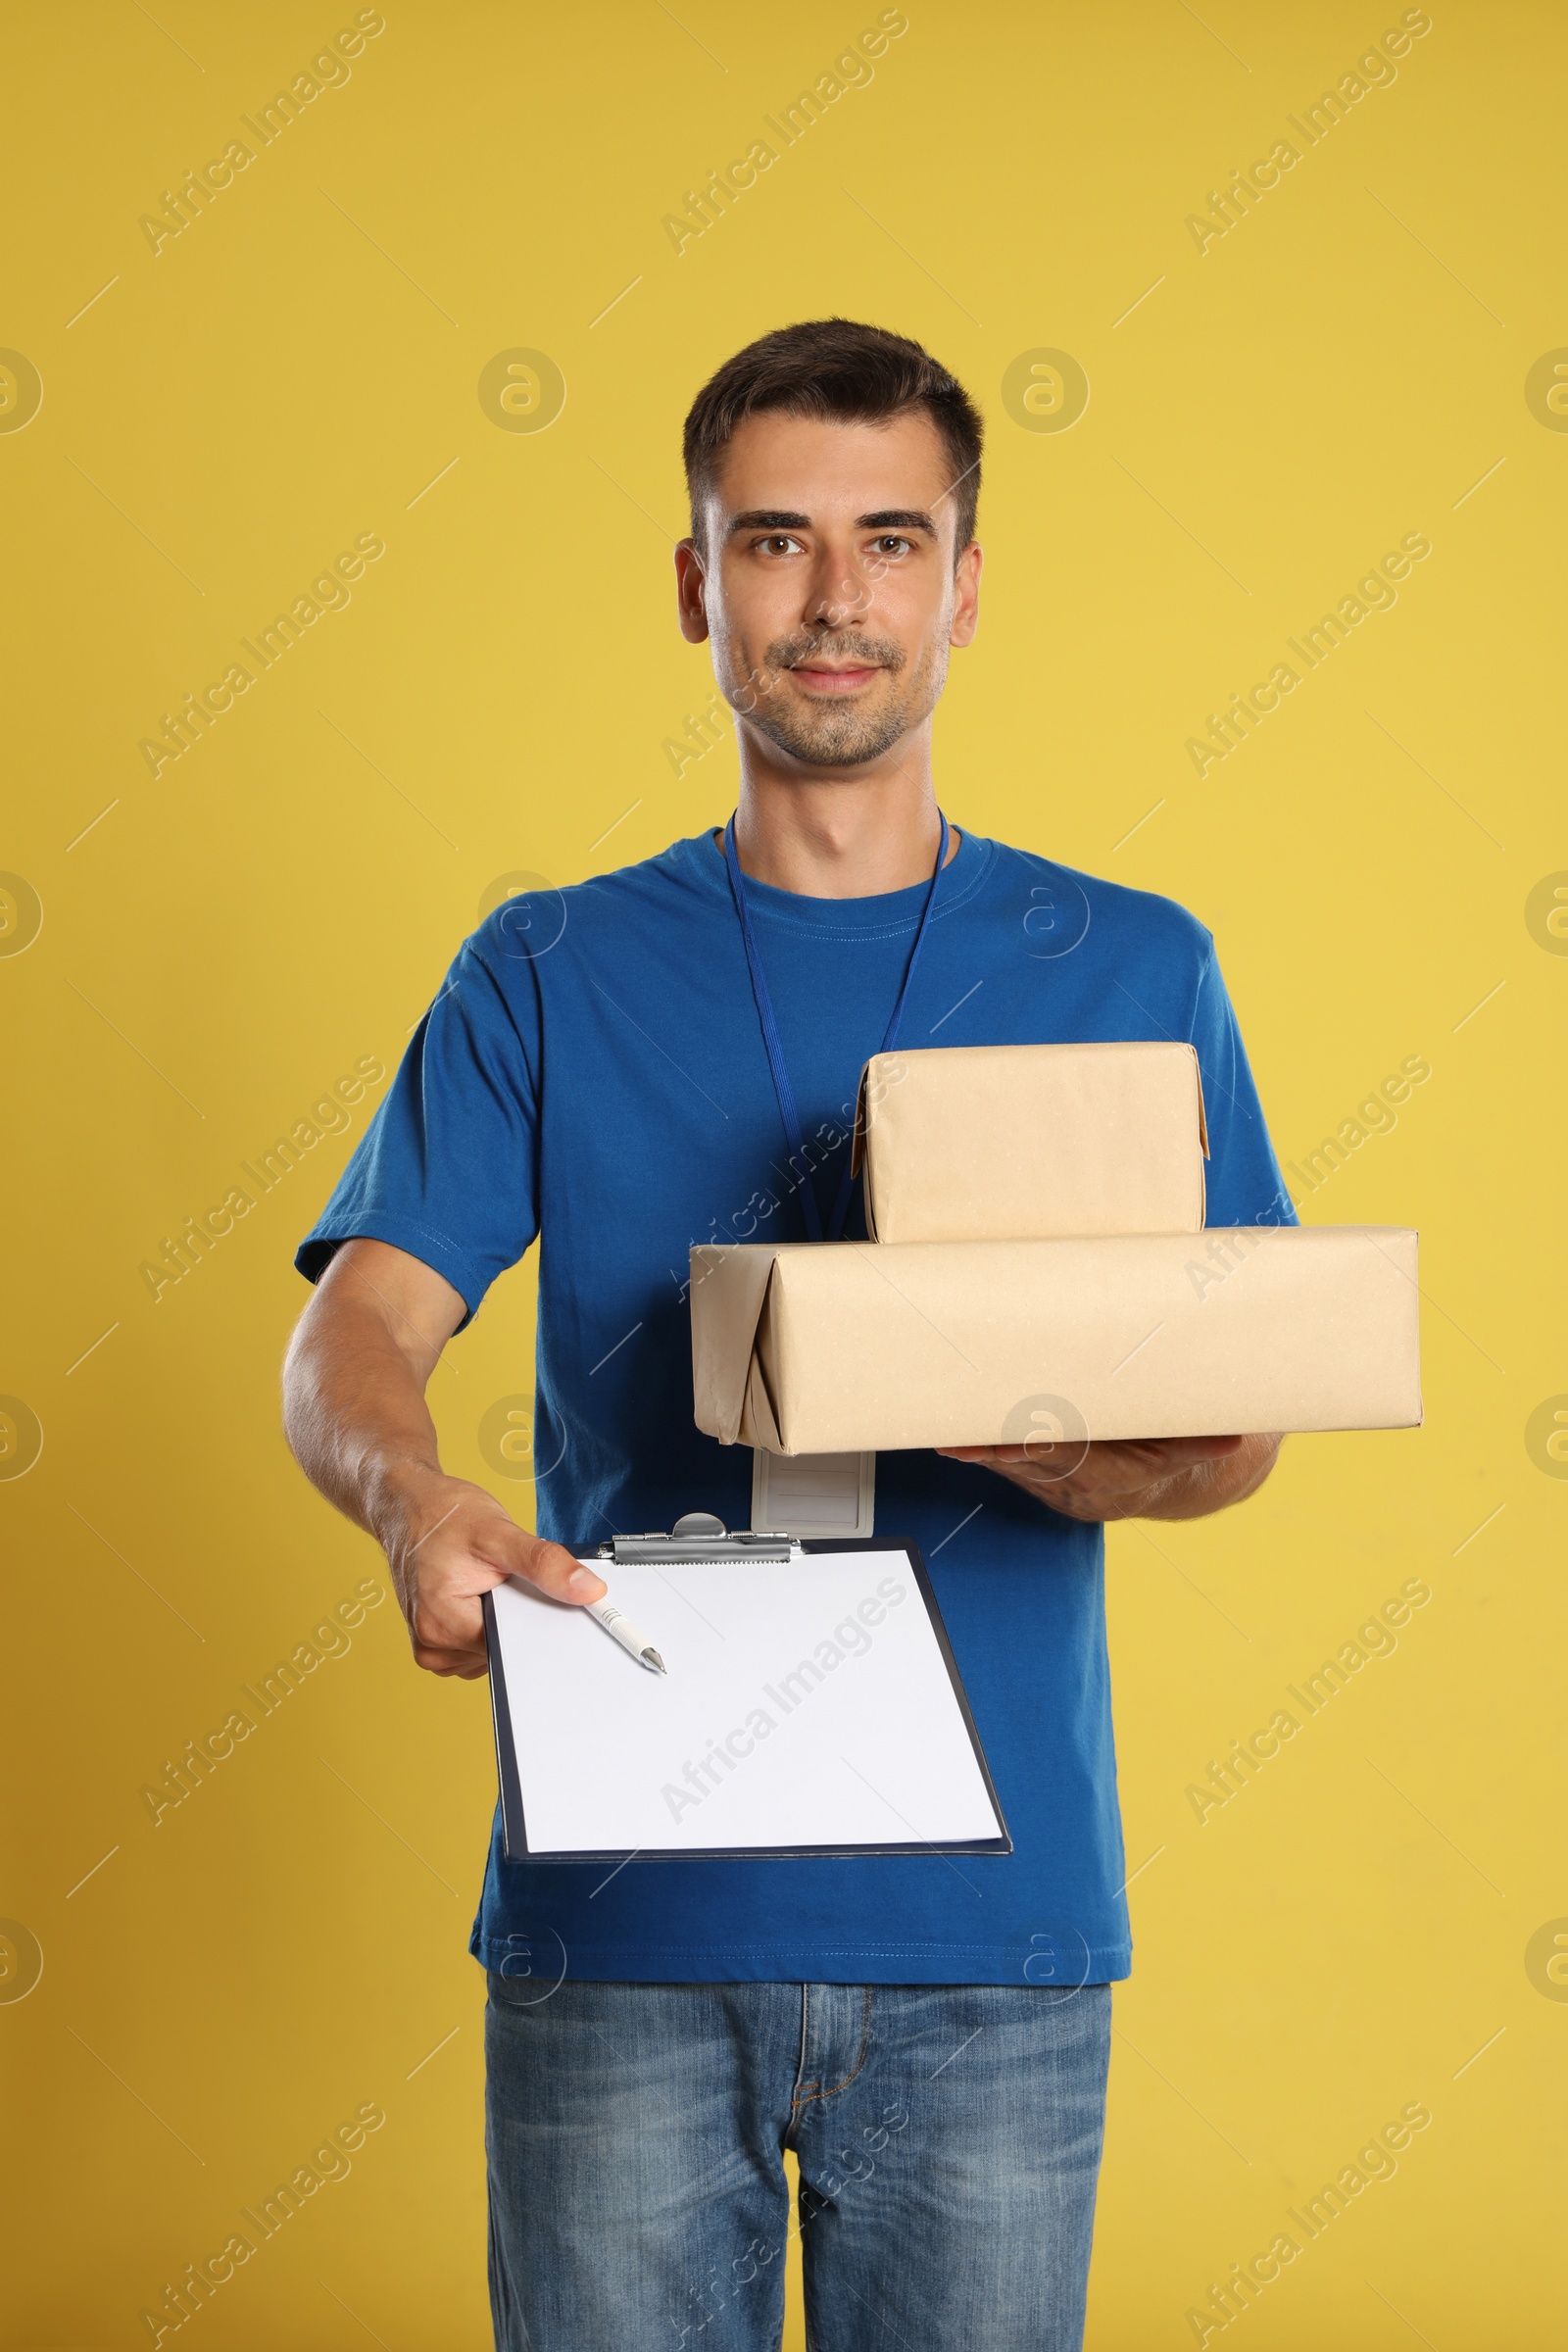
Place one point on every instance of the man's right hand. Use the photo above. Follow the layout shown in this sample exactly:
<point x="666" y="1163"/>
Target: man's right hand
<point x="447" y="1541"/>
<point x="357" y="1420"/>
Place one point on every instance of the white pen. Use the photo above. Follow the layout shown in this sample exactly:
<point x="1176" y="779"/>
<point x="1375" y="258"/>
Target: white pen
<point x="621" y="1629"/>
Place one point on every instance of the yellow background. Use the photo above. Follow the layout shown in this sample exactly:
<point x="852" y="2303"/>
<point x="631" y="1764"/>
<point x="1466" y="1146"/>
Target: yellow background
<point x="293" y="370"/>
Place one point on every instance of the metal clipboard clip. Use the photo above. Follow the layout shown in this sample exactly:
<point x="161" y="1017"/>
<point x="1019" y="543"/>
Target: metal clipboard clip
<point x="700" y="1536"/>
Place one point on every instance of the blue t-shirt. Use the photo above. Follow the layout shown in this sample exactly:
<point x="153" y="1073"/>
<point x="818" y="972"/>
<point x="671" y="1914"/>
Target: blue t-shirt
<point x="593" y="1075"/>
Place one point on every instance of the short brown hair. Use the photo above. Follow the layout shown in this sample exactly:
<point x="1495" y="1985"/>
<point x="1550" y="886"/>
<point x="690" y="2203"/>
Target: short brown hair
<point x="834" y="367"/>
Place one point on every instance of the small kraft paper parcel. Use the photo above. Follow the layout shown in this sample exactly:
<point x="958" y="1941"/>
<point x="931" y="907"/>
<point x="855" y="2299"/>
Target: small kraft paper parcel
<point x="1041" y="1267"/>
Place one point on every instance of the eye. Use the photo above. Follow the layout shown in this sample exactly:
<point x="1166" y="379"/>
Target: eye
<point x="892" y="543"/>
<point x="778" y="543"/>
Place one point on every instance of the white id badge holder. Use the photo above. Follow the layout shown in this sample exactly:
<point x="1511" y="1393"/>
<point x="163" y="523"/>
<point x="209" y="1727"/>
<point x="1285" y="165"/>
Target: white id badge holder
<point x="813" y="1493"/>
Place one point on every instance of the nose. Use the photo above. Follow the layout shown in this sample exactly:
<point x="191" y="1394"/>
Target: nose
<point x="838" y="598"/>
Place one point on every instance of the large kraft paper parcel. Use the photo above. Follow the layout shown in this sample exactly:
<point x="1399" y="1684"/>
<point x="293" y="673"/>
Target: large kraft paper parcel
<point x="1026" y="1143"/>
<point x="855" y="1347"/>
<point x="1040" y="1269"/>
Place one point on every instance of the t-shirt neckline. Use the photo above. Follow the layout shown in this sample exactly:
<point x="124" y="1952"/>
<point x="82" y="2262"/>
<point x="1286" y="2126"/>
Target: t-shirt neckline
<point x="885" y="911"/>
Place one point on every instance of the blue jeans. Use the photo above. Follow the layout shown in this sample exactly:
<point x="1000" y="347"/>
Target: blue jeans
<point x="949" y="2142"/>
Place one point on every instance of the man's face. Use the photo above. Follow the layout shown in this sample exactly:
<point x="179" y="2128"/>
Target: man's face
<point x="827" y="582"/>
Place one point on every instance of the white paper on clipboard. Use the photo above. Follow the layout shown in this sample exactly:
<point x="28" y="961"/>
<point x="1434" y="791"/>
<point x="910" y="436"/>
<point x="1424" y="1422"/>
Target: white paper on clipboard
<point x="810" y="1706"/>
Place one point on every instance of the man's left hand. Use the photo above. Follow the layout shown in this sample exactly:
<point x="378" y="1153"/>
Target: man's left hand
<point x="1146" y="1478"/>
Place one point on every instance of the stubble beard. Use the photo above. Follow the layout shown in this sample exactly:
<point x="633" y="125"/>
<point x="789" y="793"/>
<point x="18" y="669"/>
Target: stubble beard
<point x="832" y="734"/>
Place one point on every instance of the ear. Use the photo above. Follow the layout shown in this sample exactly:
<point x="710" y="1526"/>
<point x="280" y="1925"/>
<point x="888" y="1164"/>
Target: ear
<point x="691" y="585"/>
<point x="966" y="596"/>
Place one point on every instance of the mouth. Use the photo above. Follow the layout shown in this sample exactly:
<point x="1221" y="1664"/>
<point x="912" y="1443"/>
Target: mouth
<point x="830" y="679"/>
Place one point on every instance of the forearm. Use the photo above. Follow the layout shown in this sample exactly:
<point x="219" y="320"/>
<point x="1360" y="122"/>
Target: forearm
<point x="354" y="1414"/>
<point x="1206" y="1487"/>
<point x="1137" y="1478"/>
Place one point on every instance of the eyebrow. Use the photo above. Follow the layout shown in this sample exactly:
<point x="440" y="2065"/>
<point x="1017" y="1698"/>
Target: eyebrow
<point x="888" y="519"/>
<point x="899" y="518"/>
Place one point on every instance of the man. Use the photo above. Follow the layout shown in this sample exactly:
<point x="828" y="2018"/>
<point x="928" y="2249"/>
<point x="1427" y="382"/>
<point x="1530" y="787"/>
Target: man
<point x="929" y="2035"/>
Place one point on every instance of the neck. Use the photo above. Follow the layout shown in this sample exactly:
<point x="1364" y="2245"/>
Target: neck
<point x="839" y="838"/>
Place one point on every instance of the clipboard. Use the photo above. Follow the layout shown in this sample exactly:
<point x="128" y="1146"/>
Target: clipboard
<point x="574" y="1708"/>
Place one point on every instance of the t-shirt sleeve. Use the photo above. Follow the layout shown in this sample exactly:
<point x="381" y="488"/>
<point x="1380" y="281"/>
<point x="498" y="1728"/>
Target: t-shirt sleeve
<point x="447" y="1168"/>
<point x="1244" y="1186"/>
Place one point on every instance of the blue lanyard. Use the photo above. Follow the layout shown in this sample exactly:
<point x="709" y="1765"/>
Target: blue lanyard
<point x="799" y="1162"/>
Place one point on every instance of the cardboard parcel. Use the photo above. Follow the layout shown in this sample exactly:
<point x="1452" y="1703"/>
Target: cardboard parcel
<point x="1024" y="1143"/>
<point x="1041" y="1271"/>
<point x="846" y="1347"/>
